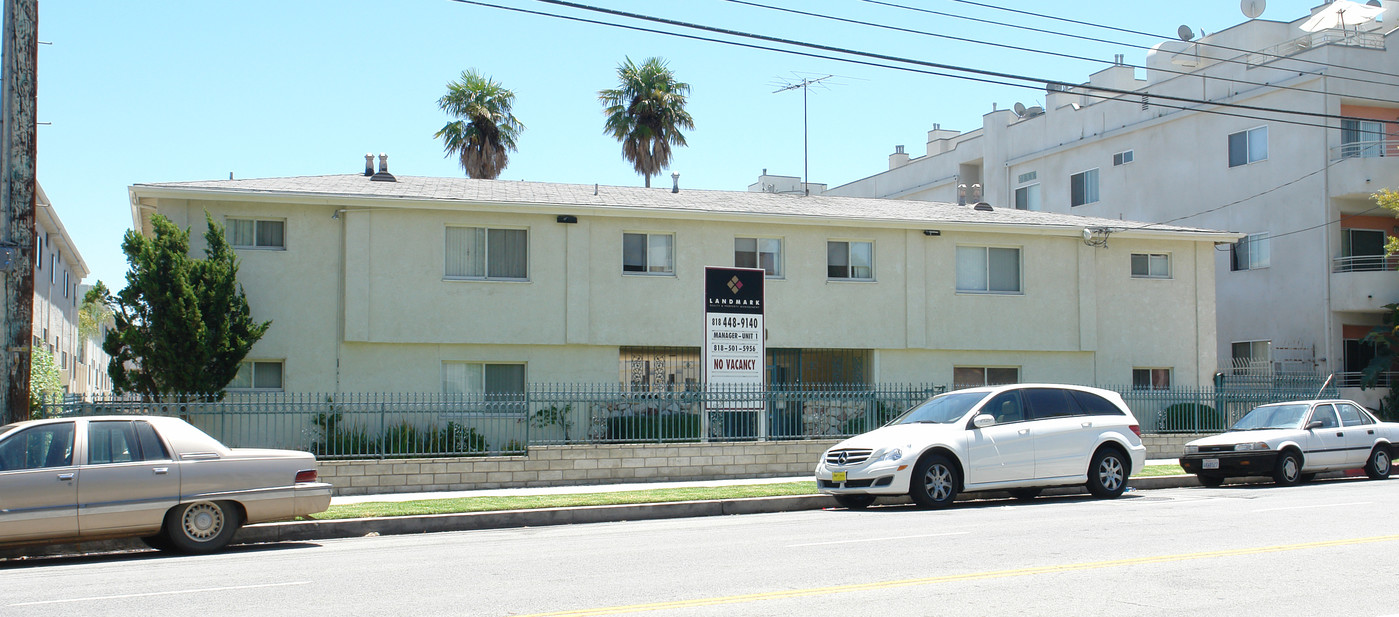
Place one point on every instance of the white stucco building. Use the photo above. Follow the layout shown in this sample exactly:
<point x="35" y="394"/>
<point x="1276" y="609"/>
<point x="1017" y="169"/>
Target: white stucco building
<point x="58" y="272"/>
<point x="458" y="285"/>
<point x="1310" y="278"/>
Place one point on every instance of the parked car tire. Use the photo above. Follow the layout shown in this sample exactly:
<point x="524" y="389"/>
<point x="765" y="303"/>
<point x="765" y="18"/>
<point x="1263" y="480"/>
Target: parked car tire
<point x="935" y="482"/>
<point x="1307" y="477"/>
<point x="855" y="502"/>
<point x="201" y="527"/>
<point x="1026" y="494"/>
<point x="1379" y="464"/>
<point x="1211" y="481"/>
<point x="1288" y="470"/>
<point x="1107" y="473"/>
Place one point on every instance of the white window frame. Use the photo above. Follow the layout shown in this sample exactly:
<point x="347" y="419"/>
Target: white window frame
<point x="651" y="266"/>
<point x="1097" y="187"/>
<point x="1150" y="262"/>
<point x="985" y="375"/>
<point x="480" y="368"/>
<point x="1151" y="373"/>
<point x="849" y="260"/>
<point x="486" y="255"/>
<point x="1122" y="158"/>
<point x="1249" y="154"/>
<point x="1034" y="197"/>
<point x="252" y="386"/>
<point x="257" y="223"/>
<point x="778" y="268"/>
<point x="1259" y="252"/>
<point x="986" y="267"/>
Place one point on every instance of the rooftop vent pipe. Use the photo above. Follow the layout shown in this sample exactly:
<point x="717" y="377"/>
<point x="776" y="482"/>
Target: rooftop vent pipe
<point x="675" y="179"/>
<point x="383" y="174"/>
<point x="368" y="164"/>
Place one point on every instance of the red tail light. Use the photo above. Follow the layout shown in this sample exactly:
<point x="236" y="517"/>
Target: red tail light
<point x="306" y="475"/>
<point x="1136" y="428"/>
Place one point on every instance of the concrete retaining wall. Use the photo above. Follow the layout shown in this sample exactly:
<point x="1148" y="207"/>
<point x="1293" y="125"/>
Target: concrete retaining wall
<point x="607" y="464"/>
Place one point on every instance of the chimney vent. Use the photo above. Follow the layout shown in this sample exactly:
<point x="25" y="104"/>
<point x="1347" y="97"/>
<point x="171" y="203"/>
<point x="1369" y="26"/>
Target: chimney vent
<point x="982" y="207"/>
<point x="368" y="164"/>
<point x="383" y="175"/>
<point x="675" y="179"/>
<point x="899" y="149"/>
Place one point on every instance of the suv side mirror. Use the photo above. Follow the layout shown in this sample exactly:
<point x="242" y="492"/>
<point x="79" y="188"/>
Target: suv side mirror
<point x="983" y="420"/>
<point x="1314" y="424"/>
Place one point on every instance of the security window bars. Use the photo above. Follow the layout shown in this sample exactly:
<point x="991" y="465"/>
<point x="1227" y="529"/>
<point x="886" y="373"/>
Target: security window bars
<point x="765" y="253"/>
<point x="982" y="269"/>
<point x="256" y="233"/>
<point x="1151" y="266"/>
<point x="1248" y="146"/>
<point x="1028" y="197"/>
<point x="1252" y="357"/>
<point x="850" y="260"/>
<point x="648" y="253"/>
<point x="1122" y="158"/>
<point x="483" y="253"/>
<point x="505" y="380"/>
<point x="977" y="376"/>
<point x="1251" y="253"/>
<point x="1083" y="188"/>
<point x="1151" y="379"/>
<point x="258" y="375"/>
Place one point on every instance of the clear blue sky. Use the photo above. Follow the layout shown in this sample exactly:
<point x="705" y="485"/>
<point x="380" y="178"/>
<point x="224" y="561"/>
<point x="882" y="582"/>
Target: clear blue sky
<point x="171" y="91"/>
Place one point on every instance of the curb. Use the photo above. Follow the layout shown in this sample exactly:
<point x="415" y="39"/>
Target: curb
<point x="300" y="531"/>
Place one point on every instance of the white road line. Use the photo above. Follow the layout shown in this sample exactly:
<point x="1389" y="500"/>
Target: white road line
<point x="160" y="593"/>
<point x="1324" y="505"/>
<point x="931" y="535"/>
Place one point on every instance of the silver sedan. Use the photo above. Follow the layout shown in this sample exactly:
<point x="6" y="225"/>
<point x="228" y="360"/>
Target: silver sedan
<point x="159" y="479"/>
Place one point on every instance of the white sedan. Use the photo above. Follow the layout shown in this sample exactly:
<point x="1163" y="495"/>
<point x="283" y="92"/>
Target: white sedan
<point x="1022" y="438"/>
<point x="1293" y="441"/>
<point x="159" y="479"/>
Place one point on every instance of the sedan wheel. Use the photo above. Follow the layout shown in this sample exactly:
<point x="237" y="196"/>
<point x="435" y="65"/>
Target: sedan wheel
<point x="1107" y="474"/>
<point x="1289" y="469"/>
<point x="1378" y="465"/>
<point x="934" y="482"/>
<point x="201" y="527"/>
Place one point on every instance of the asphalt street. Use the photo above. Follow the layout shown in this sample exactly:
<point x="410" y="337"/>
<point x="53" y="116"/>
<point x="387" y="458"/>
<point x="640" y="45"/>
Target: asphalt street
<point x="1320" y="549"/>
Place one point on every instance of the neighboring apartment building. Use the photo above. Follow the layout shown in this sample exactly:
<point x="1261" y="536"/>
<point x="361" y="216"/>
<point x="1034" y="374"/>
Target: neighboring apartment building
<point x="457" y="285"/>
<point x="58" y="272"/>
<point x="1310" y="278"/>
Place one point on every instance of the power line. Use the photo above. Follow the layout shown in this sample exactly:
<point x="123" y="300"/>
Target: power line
<point x="1033" y="50"/>
<point x="1149" y="34"/>
<point x="937" y="65"/>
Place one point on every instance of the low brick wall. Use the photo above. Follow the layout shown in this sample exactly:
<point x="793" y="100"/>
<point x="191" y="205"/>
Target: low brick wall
<point x="577" y="465"/>
<point x="609" y="464"/>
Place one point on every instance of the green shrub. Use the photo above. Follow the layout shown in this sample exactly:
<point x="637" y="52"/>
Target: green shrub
<point x="670" y="427"/>
<point x="339" y="440"/>
<point x="1190" y="418"/>
<point x="883" y="413"/>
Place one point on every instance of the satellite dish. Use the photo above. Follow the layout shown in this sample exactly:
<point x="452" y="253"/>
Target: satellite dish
<point x="1252" y="8"/>
<point x="1019" y="109"/>
<point x="1185" y="33"/>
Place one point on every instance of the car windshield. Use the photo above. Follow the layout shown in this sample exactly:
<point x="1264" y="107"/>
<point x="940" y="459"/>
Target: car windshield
<point x="1272" y="416"/>
<point x="942" y="409"/>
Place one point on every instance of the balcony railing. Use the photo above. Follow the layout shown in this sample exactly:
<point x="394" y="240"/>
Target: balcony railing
<point x="1365" y="263"/>
<point x="1353" y="379"/>
<point x="1338" y="36"/>
<point x="1366" y="149"/>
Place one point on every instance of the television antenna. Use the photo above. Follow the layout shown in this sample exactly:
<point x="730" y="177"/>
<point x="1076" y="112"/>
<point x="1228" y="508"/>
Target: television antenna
<point x="805" y="84"/>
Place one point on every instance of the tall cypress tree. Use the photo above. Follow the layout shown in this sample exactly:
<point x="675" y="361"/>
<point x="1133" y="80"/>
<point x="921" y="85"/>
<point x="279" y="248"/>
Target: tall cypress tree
<point x="182" y="324"/>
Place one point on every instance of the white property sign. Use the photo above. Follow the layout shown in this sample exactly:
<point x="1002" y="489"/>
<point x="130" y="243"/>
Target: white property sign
<point x="734" y="350"/>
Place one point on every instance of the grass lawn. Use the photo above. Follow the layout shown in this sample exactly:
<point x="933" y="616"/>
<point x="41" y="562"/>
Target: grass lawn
<point x="528" y="502"/>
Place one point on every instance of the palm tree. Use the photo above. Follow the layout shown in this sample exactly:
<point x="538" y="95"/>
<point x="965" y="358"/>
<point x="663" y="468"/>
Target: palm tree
<point x="646" y="112"/>
<point x="484" y="131"/>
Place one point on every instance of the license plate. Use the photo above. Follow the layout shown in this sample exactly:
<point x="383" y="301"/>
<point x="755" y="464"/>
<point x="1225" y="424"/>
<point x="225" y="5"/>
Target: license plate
<point x="1210" y="463"/>
<point x="839" y="476"/>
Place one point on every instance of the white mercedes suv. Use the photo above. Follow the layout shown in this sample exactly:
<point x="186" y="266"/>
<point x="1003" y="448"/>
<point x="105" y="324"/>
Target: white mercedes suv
<point x="1022" y="438"/>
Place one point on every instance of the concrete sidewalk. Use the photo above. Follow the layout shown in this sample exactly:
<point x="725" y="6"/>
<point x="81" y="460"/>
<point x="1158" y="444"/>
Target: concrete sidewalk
<point x="360" y="527"/>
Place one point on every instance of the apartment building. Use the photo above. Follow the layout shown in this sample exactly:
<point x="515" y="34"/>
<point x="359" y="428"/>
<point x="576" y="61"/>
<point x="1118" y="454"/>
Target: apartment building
<point x="1309" y="279"/>
<point x="58" y="273"/>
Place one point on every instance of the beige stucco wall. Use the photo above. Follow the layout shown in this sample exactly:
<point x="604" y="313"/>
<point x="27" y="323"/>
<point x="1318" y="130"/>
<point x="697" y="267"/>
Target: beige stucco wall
<point x="359" y="301"/>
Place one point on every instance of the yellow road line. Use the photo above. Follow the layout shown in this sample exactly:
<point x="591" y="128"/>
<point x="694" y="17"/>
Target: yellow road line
<point x="970" y="576"/>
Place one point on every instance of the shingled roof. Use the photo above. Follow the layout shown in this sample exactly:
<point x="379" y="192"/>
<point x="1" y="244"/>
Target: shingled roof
<point x="502" y="192"/>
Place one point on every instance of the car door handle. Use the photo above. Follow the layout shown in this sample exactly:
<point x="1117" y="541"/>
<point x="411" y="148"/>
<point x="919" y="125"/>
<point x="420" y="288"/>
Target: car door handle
<point x="64" y="477"/>
<point x="1370" y="432"/>
<point x="1087" y="424"/>
<point x="1340" y="434"/>
<point x="1024" y="431"/>
<point x="160" y="471"/>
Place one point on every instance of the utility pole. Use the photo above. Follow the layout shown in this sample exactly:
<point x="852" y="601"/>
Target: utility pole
<point x="805" y="85"/>
<point x="18" y="84"/>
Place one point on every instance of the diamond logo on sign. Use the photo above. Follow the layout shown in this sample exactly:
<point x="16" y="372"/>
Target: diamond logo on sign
<point x="735" y="284"/>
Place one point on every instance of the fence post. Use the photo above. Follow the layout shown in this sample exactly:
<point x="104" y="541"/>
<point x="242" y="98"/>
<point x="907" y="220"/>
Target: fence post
<point x="382" y="426"/>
